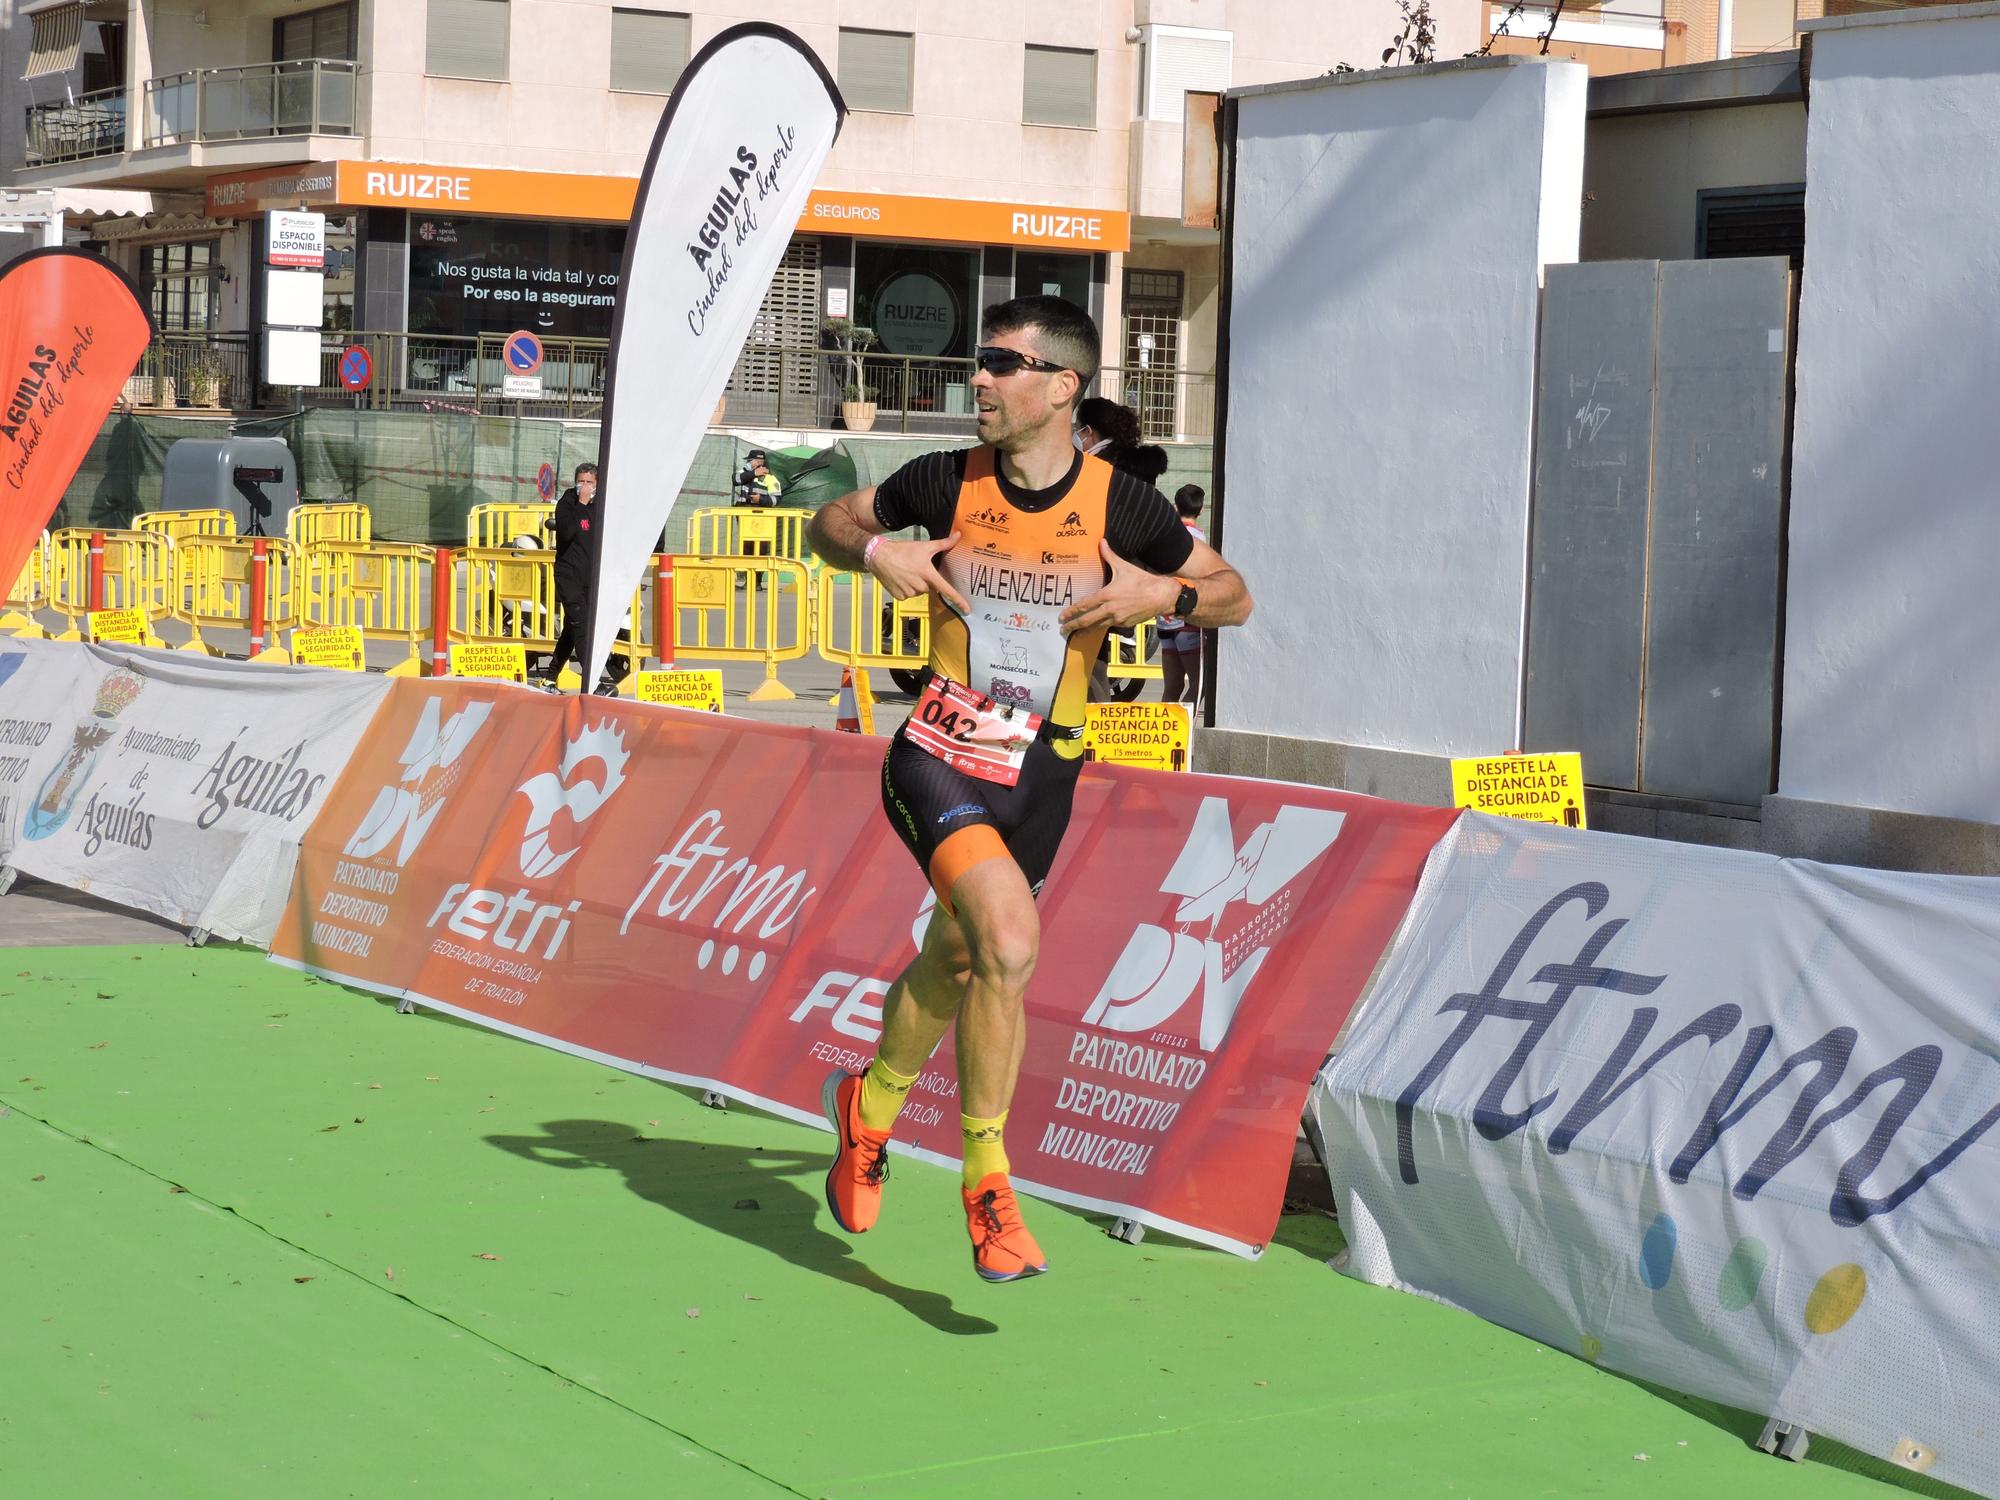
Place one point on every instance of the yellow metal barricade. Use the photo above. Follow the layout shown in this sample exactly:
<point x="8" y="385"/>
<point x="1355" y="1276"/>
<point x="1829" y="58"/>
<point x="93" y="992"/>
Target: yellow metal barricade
<point x="749" y="531"/>
<point x="383" y="588"/>
<point x="182" y="524"/>
<point x="29" y="592"/>
<point x="138" y="574"/>
<point x="1134" y="656"/>
<point x="212" y="585"/>
<point x="325" y="521"/>
<point x="497" y="525"/>
<point x="767" y="619"/>
<point x="500" y="594"/>
<point x="860" y="625"/>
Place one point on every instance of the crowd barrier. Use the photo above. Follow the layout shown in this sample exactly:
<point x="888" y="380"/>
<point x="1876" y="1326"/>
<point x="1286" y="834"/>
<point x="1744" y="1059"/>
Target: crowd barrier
<point x="1134" y="655"/>
<point x="497" y="524"/>
<point x="500" y="595"/>
<point x="743" y="609"/>
<point x="1169" y="1096"/>
<point x="28" y="593"/>
<point x="728" y="606"/>
<point x="328" y="521"/>
<point x="180" y="786"/>
<point x="217" y="584"/>
<point x="91" y="570"/>
<point x="378" y="587"/>
<point x="1719" y="1121"/>
<point x="860" y="625"/>
<point x="182" y="524"/>
<point x="749" y="531"/>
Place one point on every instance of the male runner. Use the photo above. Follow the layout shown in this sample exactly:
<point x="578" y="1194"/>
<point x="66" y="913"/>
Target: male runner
<point x="1035" y="550"/>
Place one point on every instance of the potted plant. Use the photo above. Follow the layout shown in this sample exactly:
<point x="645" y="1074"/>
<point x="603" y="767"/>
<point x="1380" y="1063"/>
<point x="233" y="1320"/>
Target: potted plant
<point x="201" y="379"/>
<point x="857" y="397"/>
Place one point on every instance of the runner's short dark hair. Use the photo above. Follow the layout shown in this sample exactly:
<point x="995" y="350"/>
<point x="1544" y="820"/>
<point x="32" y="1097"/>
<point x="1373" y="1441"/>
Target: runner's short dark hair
<point x="583" y="469"/>
<point x="1108" y="419"/>
<point x="1063" y="331"/>
<point x="1188" y="500"/>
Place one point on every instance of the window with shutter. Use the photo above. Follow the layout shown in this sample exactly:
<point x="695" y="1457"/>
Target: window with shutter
<point x="466" y="39"/>
<point x="1752" y="221"/>
<point x="326" y="32"/>
<point x="1180" y="58"/>
<point x="1061" y="87"/>
<point x="777" y="370"/>
<point x="875" y="69"/>
<point x="649" y="48"/>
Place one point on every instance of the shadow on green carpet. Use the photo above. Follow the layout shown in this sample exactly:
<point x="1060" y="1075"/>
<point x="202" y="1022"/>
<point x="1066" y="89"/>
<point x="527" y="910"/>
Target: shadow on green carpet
<point x="779" y="1188"/>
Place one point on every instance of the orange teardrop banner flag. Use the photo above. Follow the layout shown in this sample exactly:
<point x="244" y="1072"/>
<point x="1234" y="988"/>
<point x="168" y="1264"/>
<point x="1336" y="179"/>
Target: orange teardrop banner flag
<point x="71" y="329"/>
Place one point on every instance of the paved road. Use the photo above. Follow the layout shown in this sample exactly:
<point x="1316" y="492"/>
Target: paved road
<point x="35" y="914"/>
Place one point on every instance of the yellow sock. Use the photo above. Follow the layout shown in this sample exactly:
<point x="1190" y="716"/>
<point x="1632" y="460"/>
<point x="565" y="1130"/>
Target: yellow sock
<point x="883" y="1091"/>
<point x="985" y="1150"/>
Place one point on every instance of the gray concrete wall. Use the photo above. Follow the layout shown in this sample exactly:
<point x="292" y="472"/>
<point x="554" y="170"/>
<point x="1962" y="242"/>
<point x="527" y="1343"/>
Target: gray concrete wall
<point x="1388" y="240"/>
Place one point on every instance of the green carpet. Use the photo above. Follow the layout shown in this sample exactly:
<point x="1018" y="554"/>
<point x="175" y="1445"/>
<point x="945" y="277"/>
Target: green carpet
<point x="530" y="1275"/>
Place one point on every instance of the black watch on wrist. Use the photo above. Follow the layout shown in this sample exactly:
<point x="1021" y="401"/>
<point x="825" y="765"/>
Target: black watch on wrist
<point x="1186" y="600"/>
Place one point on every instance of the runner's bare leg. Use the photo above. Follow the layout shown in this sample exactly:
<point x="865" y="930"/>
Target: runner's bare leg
<point x="924" y="1000"/>
<point x="996" y="910"/>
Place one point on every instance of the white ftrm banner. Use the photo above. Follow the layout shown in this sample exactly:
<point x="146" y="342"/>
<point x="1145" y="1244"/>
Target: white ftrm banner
<point x="172" y="783"/>
<point x="1716" y="1120"/>
<point x="736" y="155"/>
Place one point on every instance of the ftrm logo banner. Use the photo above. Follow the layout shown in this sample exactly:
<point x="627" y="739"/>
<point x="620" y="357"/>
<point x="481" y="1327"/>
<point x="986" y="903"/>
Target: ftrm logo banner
<point x="1717" y="1120"/>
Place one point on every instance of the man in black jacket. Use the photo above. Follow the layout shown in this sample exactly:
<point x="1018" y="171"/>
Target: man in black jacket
<point x="575" y="522"/>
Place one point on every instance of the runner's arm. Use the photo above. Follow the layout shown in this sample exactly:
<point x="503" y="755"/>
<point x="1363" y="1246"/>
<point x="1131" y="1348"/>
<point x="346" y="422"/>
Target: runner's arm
<point x="1134" y="593"/>
<point x="841" y="530"/>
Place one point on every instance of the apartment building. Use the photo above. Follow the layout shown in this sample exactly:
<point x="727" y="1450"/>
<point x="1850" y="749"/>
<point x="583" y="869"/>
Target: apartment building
<point x="989" y="151"/>
<point x="1629" y="36"/>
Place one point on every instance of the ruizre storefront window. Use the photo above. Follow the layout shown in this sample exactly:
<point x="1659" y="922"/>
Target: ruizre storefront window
<point x="1050" y="273"/>
<point x="470" y="276"/>
<point x="338" y="295"/>
<point x="180" y="284"/>
<point x="925" y="302"/>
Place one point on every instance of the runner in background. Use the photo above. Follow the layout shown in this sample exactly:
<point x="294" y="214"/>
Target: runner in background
<point x="1035" y="550"/>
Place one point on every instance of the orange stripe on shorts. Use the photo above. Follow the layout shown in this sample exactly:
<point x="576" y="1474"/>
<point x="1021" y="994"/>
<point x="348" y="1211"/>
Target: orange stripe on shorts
<point x="960" y="851"/>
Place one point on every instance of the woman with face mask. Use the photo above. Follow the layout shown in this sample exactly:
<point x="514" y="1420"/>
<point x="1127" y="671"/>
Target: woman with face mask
<point x="1105" y="428"/>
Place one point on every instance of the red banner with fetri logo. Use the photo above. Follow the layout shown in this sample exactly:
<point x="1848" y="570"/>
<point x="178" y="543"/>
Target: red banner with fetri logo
<point x="71" y="329"/>
<point x="722" y="903"/>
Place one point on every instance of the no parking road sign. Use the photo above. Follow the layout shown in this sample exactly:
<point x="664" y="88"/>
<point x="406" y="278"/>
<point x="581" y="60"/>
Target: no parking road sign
<point x="357" y="368"/>
<point x="545" y="481"/>
<point x="521" y="366"/>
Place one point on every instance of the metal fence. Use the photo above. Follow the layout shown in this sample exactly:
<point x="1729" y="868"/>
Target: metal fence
<point x="310" y="96"/>
<point x="773" y="386"/>
<point x="89" y="125"/>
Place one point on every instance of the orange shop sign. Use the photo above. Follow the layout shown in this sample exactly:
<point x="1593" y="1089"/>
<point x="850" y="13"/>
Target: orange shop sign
<point x="884" y="216"/>
<point x="504" y="192"/>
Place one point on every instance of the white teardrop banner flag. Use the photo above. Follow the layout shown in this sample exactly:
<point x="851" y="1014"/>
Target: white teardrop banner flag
<point x="737" y="152"/>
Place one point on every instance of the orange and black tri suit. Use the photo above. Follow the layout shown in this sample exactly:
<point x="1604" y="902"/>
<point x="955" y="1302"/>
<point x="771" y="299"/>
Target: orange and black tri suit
<point x="1023" y="557"/>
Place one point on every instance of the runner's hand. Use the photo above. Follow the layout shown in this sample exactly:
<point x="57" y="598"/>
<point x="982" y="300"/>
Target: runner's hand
<point x="1131" y="595"/>
<point x="908" y="569"/>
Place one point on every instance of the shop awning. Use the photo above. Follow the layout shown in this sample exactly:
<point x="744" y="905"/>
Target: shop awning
<point x="57" y="39"/>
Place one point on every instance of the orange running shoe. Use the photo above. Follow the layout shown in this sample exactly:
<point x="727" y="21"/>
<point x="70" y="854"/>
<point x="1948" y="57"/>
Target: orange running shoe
<point x="1002" y="1248"/>
<point x="861" y="1164"/>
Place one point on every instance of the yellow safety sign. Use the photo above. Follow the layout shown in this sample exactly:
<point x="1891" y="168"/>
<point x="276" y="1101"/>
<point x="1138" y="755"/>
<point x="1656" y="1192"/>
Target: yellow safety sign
<point x="125" y="627"/>
<point x="1543" y="787"/>
<point x="508" y="661"/>
<point x="336" y="646"/>
<point x="681" y="689"/>
<point x="1156" y="735"/>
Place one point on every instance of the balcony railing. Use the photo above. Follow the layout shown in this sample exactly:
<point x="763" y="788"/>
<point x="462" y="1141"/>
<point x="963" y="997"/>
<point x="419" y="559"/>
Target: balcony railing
<point x="773" y="386"/>
<point x="312" y="96"/>
<point x="89" y="125"/>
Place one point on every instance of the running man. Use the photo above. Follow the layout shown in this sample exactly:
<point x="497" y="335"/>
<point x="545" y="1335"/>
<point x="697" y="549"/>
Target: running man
<point x="1034" y="551"/>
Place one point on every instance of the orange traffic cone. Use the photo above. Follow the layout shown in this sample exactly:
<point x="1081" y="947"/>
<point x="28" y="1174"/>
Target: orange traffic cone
<point x="847" y="717"/>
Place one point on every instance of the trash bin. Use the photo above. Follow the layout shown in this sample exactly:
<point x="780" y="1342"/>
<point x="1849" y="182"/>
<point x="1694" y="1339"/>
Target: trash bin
<point x="254" y="478"/>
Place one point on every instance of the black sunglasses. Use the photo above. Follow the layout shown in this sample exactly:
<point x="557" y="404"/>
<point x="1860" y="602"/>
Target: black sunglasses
<point x="997" y="361"/>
